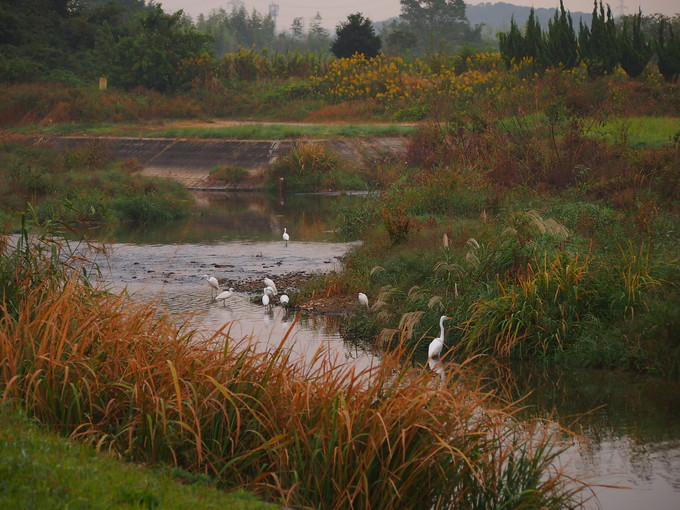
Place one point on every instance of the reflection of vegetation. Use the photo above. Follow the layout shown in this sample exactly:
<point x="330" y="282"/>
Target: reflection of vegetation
<point x="602" y="404"/>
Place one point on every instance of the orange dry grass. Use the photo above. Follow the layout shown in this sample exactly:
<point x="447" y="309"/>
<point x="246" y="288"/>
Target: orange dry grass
<point x="127" y="379"/>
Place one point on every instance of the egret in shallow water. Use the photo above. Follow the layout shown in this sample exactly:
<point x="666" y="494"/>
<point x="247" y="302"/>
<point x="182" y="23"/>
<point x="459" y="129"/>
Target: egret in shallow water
<point x="265" y="297"/>
<point x="223" y="296"/>
<point x="286" y="237"/>
<point x="270" y="283"/>
<point x="436" y="345"/>
<point x="212" y="281"/>
<point x="284" y="300"/>
<point x="363" y="299"/>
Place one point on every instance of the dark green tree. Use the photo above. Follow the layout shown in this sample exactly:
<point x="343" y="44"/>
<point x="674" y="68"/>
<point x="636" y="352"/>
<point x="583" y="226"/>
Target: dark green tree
<point x="440" y="24"/>
<point x="636" y="49"/>
<point x="356" y="35"/>
<point x="515" y="46"/>
<point x="150" y="55"/>
<point x="598" y="45"/>
<point x="512" y="44"/>
<point x="667" y="45"/>
<point x="560" y="45"/>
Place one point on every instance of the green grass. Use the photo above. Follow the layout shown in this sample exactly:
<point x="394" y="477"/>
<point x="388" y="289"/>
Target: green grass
<point x="249" y="131"/>
<point x="39" y="469"/>
<point x="641" y="132"/>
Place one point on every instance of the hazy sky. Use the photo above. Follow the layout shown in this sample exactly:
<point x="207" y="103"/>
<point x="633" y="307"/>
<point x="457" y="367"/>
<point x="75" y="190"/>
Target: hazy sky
<point x="335" y="11"/>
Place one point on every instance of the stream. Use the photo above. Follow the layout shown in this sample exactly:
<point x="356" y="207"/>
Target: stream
<point x="630" y="436"/>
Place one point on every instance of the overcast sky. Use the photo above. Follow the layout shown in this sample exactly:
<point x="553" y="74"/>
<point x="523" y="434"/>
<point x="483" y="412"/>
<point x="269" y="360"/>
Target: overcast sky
<point x="334" y="11"/>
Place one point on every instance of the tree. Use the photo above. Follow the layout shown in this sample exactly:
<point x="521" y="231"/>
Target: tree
<point x="598" y="45"/>
<point x="514" y="46"/>
<point x="511" y="44"/>
<point x="668" y="51"/>
<point x="442" y="23"/>
<point x="399" y="39"/>
<point x="636" y="50"/>
<point x="560" y="45"/>
<point x="356" y="35"/>
<point x="150" y="55"/>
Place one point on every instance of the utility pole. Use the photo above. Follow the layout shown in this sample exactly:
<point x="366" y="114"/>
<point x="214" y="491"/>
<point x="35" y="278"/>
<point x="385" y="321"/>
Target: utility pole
<point x="274" y="11"/>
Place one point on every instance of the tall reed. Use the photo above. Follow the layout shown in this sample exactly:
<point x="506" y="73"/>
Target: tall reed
<point x="126" y="378"/>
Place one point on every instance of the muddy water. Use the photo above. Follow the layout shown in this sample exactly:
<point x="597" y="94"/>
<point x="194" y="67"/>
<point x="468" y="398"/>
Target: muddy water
<point x="630" y="438"/>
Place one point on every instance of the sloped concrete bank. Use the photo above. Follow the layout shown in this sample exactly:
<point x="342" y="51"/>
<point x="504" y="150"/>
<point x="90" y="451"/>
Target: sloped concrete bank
<point x="190" y="161"/>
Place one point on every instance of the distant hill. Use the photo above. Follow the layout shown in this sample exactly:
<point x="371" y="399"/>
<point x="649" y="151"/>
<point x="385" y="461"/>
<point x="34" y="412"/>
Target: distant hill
<point x="496" y="17"/>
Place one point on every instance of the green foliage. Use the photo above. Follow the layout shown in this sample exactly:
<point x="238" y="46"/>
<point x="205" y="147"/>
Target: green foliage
<point x="439" y="25"/>
<point x="310" y="167"/>
<point x="598" y="44"/>
<point x="512" y="44"/>
<point x="636" y="50"/>
<point x="667" y="45"/>
<point x="150" y="55"/>
<point x="560" y="45"/>
<point x="81" y="186"/>
<point x="356" y="36"/>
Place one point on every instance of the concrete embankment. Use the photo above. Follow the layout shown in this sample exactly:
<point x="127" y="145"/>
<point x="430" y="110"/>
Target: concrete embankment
<point x="190" y="161"/>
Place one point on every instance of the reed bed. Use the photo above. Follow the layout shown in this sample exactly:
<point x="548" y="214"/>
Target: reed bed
<point x="126" y="378"/>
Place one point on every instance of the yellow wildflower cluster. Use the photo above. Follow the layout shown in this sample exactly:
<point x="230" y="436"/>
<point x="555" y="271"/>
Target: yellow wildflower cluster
<point x="387" y="79"/>
<point x="198" y="69"/>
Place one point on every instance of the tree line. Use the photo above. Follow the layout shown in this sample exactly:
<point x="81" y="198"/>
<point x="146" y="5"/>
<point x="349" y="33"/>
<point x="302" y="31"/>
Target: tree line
<point x="603" y="46"/>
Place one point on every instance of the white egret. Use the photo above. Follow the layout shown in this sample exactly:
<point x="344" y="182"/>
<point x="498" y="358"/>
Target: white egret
<point x="269" y="283"/>
<point x="284" y="300"/>
<point x="363" y="299"/>
<point x="223" y="296"/>
<point x="212" y="281"/>
<point x="265" y="298"/>
<point x="286" y="237"/>
<point x="436" y="345"/>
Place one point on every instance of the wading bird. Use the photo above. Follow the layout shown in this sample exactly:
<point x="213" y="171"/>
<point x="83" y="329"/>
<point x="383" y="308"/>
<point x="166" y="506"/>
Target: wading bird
<point x="265" y="297"/>
<point x="269" y="283"/>
<point x="363" y="299"/>
<point x="223" y="296"/>
<point x="286" y="237"/>
<point x="212" y="281"/>
<point x="284" y="300"/>
<point x="435" y="347"/>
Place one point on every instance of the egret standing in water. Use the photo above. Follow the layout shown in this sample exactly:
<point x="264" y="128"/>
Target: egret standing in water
<point x="270" y="283"/>
<point x="214" y="284"/>
<point x="363" y="299"/>
<point x="436" y="345"/>
<point x="265" y="297"/>
<point x="223" y="296"/>
<point x="284" y="300"/>
<point x="286" y="237"/>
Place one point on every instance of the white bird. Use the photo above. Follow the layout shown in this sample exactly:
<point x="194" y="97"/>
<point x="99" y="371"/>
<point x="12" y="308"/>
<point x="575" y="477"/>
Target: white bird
<point x="435" y="347"/>
<point x="363" y="299"/>
<point x="286" y="237"/>
<point x="223" y="296"/>
<point x="284" y="300"/>
<point x="212" y="281"/>
<point x="265" y="299"/>
<point x="269" y="291"/>
<point x="270" y="283"/>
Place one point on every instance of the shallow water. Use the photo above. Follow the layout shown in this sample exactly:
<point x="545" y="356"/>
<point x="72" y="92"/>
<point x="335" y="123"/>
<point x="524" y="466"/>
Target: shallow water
<point x="630" y="438"/>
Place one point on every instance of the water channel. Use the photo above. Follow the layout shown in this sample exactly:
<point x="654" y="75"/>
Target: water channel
<point x="630" y="436"/>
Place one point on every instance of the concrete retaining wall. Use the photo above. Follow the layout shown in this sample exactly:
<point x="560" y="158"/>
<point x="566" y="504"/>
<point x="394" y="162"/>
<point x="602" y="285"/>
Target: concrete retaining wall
<point x="190" y="161"/>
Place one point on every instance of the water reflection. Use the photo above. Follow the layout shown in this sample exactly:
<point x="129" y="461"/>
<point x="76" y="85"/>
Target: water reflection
<point x="628" y="428"/>
<point x="226" y="216"/>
